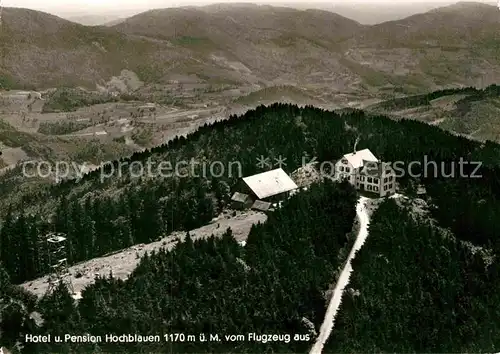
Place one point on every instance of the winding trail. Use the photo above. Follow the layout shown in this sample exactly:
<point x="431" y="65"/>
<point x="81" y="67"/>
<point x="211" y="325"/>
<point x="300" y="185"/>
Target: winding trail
<point x="333" y="307"/>
<point x="437" y="121"/>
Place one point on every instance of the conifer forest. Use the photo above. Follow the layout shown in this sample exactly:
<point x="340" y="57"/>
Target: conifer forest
<point x="421" y="283"/>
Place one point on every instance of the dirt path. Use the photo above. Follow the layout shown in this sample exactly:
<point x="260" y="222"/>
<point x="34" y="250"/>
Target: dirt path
<point x="437" y="121"/>
<point x="122" y="263"/>
<point x="130" y="142"/>
<point x="471" y="135"/>
<point x="97" y="133"/>
<point x="331" y="312"/>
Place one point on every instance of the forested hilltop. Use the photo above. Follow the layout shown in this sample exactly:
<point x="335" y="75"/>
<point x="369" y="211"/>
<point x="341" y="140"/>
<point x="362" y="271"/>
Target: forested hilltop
<point x="466" y="111"/>
<point x="99" y="217"/>
<point x="274" y="285"/>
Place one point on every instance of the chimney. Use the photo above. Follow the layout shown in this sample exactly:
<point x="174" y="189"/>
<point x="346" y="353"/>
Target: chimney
<point x="355" y="144"/>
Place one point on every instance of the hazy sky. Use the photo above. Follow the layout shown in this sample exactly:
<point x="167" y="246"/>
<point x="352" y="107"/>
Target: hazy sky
<point x="120" y="5"/>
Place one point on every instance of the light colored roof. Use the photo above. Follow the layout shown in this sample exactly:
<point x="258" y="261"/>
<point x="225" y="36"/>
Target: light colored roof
<point x="356" y="159"/>
<point x="261" y="205"/>
<point x="270" y="183"/>
<point x="240" y="197"/>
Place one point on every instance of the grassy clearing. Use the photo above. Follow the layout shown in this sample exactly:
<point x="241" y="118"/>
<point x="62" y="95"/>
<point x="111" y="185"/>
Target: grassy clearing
<point x="369" y="76"/>
<point x="62" y="127"/>
<point x="275" y="93"/>
<point x="69" y="100"/>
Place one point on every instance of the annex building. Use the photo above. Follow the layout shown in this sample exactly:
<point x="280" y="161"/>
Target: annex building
<point x="366" y="173"/>
<point x="260" y="191"/>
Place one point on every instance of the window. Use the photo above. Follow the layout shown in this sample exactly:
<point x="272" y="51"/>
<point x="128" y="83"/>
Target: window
<point x="347" y="169"/>
<point x="375" y="189"/>
<point x="385" y="180"/>
<point x="362" y="178"/>
<point x="369" y="180"/>
<point x="341" y="168"/>
<point x="368" y="187"/>
<point x="375" y="180"/>
<point x="390" y="186"/>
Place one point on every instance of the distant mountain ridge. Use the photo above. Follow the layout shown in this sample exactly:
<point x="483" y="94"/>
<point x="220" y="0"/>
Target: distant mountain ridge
<point x="252" y="22"/>
<point x="362" y="12"/>
<point x="94" y="20"/>
<point x="461" y="21"/>
<point x="258" y="44"/>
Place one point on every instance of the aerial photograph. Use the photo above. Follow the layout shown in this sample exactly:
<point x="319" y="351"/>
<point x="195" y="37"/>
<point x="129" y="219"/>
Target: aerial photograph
<point x="260" y="177"/>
